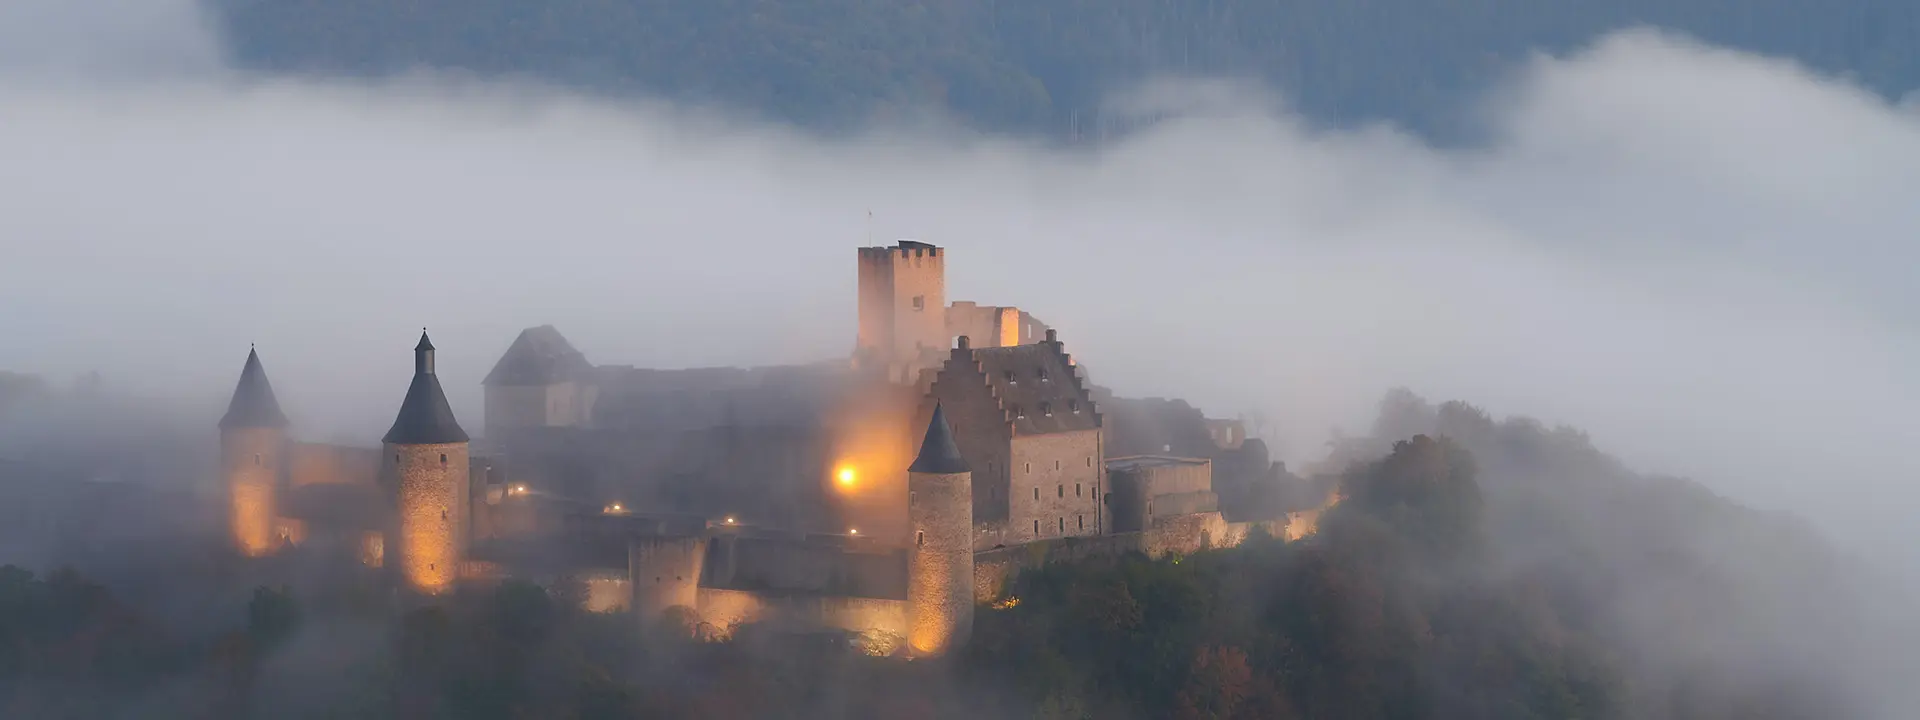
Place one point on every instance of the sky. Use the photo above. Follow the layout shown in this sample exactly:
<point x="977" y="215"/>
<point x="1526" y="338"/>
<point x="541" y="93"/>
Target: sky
<point x="1698" y="255"/>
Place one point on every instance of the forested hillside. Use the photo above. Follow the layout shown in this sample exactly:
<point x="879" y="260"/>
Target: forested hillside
<point x="1497" y="569"/>
<point x="1034" y="65"/>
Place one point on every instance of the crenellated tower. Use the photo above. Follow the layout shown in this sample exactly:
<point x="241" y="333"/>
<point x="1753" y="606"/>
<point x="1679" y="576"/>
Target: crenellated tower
<point x="425" y="462"/>
<point x="940" y="560"/>
<point x="903" y="301"/>
<point x="253" y="442"/>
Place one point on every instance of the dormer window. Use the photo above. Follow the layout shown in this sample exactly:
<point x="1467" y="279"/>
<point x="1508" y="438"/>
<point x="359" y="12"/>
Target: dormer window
<point x="1046" y="409"/>
<point x="1019" y="412"/>
<point x="1073" y="406"/>
<point x="1011" y="380"/>
<point x="1041" y="373"/>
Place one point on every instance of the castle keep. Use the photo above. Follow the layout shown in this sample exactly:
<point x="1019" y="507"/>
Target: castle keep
<point x="887" y="495"/>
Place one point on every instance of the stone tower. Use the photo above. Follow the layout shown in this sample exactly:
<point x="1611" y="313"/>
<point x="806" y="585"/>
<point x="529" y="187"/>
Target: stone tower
<point x="903" y="301"/>
<point x="425" y="462"/>
<point x="253" y="440"/>
<point x="940" y="561"/>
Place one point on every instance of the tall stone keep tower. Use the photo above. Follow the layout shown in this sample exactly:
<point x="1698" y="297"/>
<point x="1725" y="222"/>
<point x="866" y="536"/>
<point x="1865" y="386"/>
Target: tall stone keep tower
<point x="253" y="440"/>
<point x="903" y="301"/>
<point x="940" y="561"/>
<point x="425" y="462"/>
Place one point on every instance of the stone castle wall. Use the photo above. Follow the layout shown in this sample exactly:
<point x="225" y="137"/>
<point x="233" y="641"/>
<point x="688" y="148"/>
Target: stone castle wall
<point x="903" y="301"/>
<point x="1056" y="486"/>
<point x="432" y="512"/>
<point x="321" y="464"/>
<point x="991" y="326"/>
<point x="994" y="571"/>
<point x="939" y="561"/>
<point x="665" y="573"/>
<point x="722" y="612"/>
<point x="251" y="462"/>
<point x="982" y="431"/>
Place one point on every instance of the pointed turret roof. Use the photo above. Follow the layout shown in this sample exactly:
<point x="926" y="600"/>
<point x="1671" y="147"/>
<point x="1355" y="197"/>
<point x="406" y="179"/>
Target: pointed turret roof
<point x="939" y="455"/>
<point x="253" y="404"/>
<point x="425" y="418"/>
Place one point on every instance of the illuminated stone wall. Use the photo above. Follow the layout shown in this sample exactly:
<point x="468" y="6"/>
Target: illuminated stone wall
<point x="991" y="326"/>
<point x="940" y="561"/>
<point x="724" y="611"/>
<point x="902" y="309"/>
<point x="251" y="461"/>
<point x="665" y="573"/>
<point x="319" y="464"/>
<point x="994" y="571"/>
<point x="1056" y="486"/>
<point x="432" y="508"/>
<point x="608" y="592"/>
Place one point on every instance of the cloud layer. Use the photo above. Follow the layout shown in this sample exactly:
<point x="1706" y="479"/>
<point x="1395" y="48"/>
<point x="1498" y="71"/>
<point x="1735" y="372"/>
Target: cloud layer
<point x="1697" y="254"/>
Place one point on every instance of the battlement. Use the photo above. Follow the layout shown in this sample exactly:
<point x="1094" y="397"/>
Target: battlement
<point x="901" y="249"/>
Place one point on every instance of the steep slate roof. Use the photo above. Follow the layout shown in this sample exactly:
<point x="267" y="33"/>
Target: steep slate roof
<point x="939" y="455"/>
<point x="425" y="418"/>
<point x="1037" y="387"/>
<point x="540" y="356"/>
<point x="253" y="404"/>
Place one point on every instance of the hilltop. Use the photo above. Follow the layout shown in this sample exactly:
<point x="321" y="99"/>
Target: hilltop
<point x="1035" y="66"/>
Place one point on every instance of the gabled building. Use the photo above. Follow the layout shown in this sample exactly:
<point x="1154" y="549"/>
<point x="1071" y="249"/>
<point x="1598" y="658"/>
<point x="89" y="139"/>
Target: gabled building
<point x="1028" y="428"/>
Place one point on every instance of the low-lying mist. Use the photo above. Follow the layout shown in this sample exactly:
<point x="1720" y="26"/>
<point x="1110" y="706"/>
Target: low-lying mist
<point x="1697" y="255"/>
<point x="1694" y="253"/>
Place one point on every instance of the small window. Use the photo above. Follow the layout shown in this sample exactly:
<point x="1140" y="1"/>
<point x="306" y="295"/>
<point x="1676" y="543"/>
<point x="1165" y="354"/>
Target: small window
<point x="920" y="538"/>
<point x="443" y="514"/>
<point x="1060" y="490"/>
<point x="912" y="495"/>
<point x="1056" y="464"/>
<point x="919" y="303"/>
<point x="1082" y="519"/>
<point x="1036" y="493"/>
<point x="1029" y="468"/>
<point x="1036" y="527"/>
<point x="1073" y="406"/>
<point x="443" y="458"/>
<point x="1089" y="461"/>
<point x="396" y="457"/>
<point x="1019" y="412"/>
<point x="1063" y="524"/>
<point x="1011" y="380"/>
<point x="256" y="459"/>
<point x="1046" y="408"/>
<point x="1076" y="489"/>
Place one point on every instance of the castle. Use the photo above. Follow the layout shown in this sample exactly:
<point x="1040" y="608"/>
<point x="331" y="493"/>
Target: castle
<point x="887" y="495"/>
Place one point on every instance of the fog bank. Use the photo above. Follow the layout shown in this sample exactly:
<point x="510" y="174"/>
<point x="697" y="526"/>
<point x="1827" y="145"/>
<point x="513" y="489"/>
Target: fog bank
<point x="1696" y="254"/>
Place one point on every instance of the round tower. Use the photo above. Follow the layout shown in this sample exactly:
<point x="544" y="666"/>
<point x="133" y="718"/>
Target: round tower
<point x="425" y="462"/>
<point x="253" y="438"/>
<point x="940" y="560"/>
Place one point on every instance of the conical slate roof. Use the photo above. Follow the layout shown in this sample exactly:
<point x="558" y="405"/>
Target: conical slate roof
<point x="425" y="418"/>
<point x="938" y="453"/>
<point x="253" y="404"/>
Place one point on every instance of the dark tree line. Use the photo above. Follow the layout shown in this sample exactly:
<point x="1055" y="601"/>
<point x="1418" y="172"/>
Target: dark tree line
<point x="1035" y="65"/>
<point x="1455" y="579"/>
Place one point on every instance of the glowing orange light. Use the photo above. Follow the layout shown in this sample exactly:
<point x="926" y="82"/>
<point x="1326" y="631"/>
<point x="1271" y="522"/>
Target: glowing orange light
<point x="845" y="476"/>
<point x="615" y="509"/>
<point x="729" y="519"/>
<point x="853" y="531"/>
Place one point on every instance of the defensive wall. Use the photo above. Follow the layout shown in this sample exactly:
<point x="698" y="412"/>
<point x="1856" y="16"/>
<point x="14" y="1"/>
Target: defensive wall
<point x="994" y="571"/>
